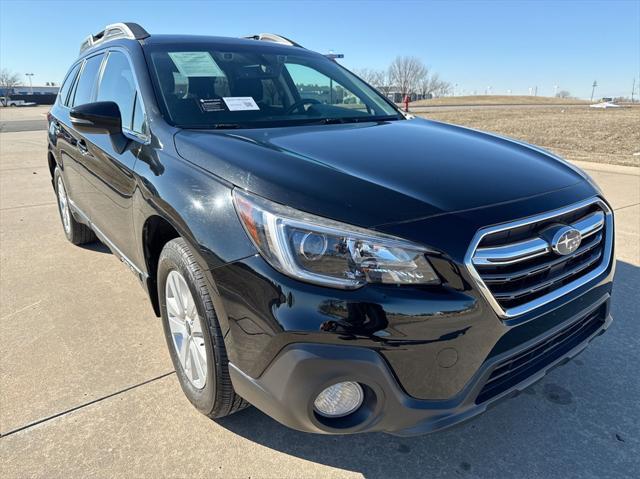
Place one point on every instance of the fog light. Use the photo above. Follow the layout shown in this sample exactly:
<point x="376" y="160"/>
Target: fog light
<point x="339" y="400"/>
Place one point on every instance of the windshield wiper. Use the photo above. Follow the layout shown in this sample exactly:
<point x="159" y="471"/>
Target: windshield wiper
<point x="332" y="121"/>
<point x="355" y="119"/>
<point x="225" y="126"/>
<point x="214" y="126"/>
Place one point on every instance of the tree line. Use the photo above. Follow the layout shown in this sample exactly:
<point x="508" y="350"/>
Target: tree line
<point x="408" y="76"/>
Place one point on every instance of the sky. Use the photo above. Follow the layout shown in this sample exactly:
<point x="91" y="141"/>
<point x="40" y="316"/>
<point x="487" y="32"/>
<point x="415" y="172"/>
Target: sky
<point x="478" y="46"/>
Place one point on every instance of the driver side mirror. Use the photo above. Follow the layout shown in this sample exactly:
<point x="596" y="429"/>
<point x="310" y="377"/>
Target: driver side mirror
<point x="100" y="117"/>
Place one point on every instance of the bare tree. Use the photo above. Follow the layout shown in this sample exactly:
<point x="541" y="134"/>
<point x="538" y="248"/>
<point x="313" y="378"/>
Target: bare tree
<point x="407" y="73"/>
<point x="376" y="78"/>
<point x="8" y="81"/>
<point x="384" y="78"/>
<point x="369" y="75"/>
<point x="563" y="94"/>
<point x="432" y="85"/>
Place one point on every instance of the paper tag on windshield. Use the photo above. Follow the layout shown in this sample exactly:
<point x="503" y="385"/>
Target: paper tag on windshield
<point x="196" y="64"/>
<point x="240" y="103"/>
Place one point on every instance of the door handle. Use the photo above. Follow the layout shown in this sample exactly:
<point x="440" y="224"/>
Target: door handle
<point x="82" y="146"/>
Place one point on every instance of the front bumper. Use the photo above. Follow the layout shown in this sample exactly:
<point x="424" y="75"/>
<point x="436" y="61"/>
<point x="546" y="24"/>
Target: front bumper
<point x="288" y="386"/>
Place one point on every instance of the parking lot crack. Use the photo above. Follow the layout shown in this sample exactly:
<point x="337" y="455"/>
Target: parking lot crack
<point x="83" y="405"/>
<point x="37" y="205"/>
<point x="626" y="206"/>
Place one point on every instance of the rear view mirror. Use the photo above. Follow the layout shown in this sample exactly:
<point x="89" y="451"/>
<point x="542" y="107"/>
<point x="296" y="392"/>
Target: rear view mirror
<point x="259" y="72"/>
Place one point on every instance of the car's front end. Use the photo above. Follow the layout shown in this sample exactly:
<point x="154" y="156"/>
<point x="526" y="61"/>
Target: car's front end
<point x="500" y="310"/>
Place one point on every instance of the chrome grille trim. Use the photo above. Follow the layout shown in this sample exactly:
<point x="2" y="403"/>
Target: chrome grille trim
<point x="587" y="226"/>
<point x="526" y="250"/>
<point x="511" y="253"/>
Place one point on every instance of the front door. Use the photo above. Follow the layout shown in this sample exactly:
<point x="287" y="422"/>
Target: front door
<point x="112" y="171"/>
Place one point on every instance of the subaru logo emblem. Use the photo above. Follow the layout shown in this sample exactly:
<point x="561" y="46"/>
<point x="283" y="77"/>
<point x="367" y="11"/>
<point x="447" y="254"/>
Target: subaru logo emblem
<point x="566" y="240"/>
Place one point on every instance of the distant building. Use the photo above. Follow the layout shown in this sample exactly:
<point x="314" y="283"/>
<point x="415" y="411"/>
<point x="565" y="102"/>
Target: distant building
<point x="36" y="89"/>
<point x="42" y="94"/>
<point x="395" y="95"/>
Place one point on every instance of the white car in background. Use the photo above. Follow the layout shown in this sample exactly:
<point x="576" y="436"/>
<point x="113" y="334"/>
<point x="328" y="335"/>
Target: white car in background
<point x="4" y="101"/>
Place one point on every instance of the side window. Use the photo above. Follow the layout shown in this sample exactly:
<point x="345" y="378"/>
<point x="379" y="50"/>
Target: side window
<point x="66" y="85"/>
<point x="86" y="84"/>
<point x="117" y="85"/>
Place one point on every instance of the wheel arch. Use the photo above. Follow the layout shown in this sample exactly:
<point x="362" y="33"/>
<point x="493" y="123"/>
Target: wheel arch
<point x="157" y="231"/>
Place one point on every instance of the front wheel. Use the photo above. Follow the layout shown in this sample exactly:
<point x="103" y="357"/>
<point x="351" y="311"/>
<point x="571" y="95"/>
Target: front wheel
<point x="193" y="333"/>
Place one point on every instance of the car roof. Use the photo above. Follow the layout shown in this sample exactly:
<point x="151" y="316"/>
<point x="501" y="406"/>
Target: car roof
<point x="209" y="40"/>
<point x="216" y="41"/>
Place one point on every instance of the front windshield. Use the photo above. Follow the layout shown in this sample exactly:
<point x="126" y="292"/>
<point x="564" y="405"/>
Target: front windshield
<point x="241" y="86"/>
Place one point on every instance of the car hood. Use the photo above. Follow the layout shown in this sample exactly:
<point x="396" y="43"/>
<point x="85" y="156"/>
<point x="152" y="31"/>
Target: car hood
<point x="377" y="173"/>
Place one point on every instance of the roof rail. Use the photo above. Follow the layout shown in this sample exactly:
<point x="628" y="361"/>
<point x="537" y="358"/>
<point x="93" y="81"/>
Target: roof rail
<point x="114" y="31"/>
<point x="272" y="37"/>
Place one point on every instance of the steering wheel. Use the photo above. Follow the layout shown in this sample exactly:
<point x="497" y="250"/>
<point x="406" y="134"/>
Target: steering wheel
<point x="300" y="103"/>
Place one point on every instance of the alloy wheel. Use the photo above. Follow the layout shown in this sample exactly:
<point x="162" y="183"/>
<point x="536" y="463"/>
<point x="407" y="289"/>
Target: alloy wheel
<point x="63" y="202"/>
<point x="186" y="329"/>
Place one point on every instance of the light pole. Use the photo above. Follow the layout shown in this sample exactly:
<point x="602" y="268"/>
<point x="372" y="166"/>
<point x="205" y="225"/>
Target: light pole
<point x="30" y="83"/>
<point x="593" y="88"/>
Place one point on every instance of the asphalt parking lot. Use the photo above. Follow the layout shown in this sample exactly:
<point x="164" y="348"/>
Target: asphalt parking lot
<point x="87" y="387"/>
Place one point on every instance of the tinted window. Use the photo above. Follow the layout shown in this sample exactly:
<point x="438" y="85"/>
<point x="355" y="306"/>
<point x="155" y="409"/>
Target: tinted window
<point x="117" y="85"/>
<point x="87" y="82"/>
<point x="66" y="86"/>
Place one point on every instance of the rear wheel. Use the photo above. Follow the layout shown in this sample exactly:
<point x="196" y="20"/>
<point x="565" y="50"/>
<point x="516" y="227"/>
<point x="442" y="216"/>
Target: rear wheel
<point x="75" y="231"/>
<point x="193" y="333"/>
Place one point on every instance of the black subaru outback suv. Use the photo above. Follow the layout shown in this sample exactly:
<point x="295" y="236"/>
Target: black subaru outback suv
<point x="313" y="251"/>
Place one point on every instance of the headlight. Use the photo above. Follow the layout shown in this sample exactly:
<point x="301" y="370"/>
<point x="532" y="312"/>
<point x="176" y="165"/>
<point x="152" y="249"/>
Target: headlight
<point x="329" y="253"/>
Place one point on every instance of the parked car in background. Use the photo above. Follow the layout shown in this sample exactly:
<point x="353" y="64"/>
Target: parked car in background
<point x="341" y="266"/>
<point x="6" y="101"/>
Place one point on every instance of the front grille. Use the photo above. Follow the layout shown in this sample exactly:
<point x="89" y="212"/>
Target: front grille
<point x="526" y="363"/>
<point x="518" y="266"/>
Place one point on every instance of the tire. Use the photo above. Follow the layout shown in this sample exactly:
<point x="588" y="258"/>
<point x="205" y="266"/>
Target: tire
<point x="210" y="392"/>
<point x="76" y="232"/>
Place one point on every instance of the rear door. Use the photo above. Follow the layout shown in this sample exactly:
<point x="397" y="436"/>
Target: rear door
<point x="112" y="172"/>
<point x="78" y="155"/>
<point x="60" y="128"/>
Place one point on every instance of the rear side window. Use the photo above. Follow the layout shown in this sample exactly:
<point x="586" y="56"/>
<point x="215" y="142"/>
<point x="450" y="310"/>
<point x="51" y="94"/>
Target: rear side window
<point x="86" y="84"/>
<point x="66" y="85"/>
<point x="117" y="85"/>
